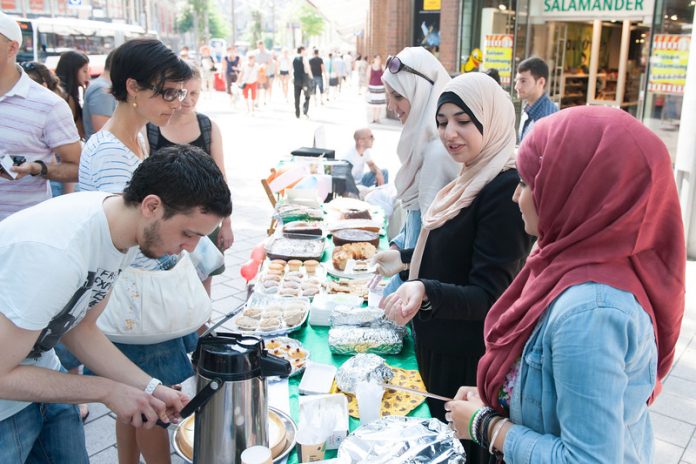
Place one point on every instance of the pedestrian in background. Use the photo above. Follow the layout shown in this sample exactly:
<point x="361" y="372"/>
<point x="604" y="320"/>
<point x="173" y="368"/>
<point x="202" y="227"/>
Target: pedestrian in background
<point x="284" y="64"/>
<point x="231" y="64"/>
<point x="248" y="80"/>
<point x="577" y="347"/>
<point x="301" y="81"/>
<point x="73" y="71"/>
<point x="376" y="99"/>
<point x="316" y="66"/>
<point x="530" y="85"/>
<point x="99" y="104"/>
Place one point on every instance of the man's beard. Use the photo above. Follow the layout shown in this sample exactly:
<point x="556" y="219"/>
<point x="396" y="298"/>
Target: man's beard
<point x="152" y="239"/>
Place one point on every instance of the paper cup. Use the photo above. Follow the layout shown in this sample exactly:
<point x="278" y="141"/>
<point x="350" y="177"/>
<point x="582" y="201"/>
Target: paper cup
<point x="369" y="396"/>
<point x="374" y="296"/>
<point x="310" y="453"/>
<point x="257" y="455"/>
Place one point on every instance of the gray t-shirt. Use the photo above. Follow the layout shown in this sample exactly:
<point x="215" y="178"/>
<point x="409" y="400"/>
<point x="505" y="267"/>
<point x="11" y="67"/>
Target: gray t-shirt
<point x="98" y="101"/>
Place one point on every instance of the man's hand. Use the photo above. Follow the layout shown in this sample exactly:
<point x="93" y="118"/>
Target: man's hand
<point x="402" y="305"/>
<point x="131" y="405"/>
<point x="174" y="400"/>
<point x="26" y="168"/>
<point x="388" y="263"/>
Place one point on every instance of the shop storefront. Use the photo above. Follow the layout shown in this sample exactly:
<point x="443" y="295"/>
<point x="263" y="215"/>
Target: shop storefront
<point x="629" y="54"/>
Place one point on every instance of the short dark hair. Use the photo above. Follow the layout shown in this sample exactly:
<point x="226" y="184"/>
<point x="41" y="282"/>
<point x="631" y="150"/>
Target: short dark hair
<point x="299" y="49"/>
<point x="149" y="62"/>
<point x="184" y="177"/>
<point x="316" y="51"/>
<point x="109" y="59"/>
<point x="492" y="72"/>
<point x="536" y="67"/>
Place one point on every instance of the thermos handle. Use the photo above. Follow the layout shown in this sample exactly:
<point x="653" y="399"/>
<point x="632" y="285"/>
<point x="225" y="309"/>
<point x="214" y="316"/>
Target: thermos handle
<point x="273" y="365"/>
<point x="201" y="398"/>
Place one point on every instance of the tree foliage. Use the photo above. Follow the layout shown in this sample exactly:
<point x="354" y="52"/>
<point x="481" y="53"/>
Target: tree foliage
<point x="311" y="23"/>
<point x="197" y="10"/>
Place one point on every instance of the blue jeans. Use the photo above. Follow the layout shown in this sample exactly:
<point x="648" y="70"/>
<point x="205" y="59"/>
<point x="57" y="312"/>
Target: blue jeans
<point x="369" y="179"/>
<point x="317" y="83"/>
<point x="44" y="433"/>
<point x="405" y="240"/>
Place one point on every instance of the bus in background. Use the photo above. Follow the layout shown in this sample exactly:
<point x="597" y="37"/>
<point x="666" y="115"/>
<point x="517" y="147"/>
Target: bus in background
<point x="44" y="39"/>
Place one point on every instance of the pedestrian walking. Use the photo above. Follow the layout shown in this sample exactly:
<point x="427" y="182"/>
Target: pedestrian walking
<point x="376" y="99"/>
<point x="301" y="81"/>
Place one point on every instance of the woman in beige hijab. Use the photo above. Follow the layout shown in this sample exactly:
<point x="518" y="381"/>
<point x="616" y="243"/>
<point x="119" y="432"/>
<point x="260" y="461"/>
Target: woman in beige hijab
<point x="472" y="242"/>
<point x="413" y="80"/>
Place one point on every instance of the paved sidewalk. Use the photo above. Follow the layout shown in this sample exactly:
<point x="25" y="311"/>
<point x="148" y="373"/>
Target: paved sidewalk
<point x="253" y="144"/>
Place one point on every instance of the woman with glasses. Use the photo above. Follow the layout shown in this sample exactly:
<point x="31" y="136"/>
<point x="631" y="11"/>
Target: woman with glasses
<point x="375" y="90"/>
<point x="471" y="245"/>
<point x="147" y="82"/>
<point x="425" y="165"/>
<point x="188" y="127"/>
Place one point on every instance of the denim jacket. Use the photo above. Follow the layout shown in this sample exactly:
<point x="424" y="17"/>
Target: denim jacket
<point x="585" y="375"/>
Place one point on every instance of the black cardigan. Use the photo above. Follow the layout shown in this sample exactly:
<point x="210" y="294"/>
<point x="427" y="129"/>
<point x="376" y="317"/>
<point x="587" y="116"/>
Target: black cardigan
<point x="467" y="264"/>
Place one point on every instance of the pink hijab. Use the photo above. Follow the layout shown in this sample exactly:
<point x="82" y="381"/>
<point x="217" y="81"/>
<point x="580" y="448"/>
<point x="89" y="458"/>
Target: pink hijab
<point x="609" y="213"/>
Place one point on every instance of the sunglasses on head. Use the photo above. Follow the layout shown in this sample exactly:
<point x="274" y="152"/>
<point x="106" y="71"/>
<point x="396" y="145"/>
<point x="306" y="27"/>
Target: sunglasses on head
<point x="394" y="65"/>
<point x="28" y="65"/>
<point x="169" y="94"/>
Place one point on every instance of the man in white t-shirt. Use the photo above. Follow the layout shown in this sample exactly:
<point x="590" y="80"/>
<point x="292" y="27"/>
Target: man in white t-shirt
<point x="35" y="124"/>
<point x="59" y="262"/>
<point x="361" y="155"/>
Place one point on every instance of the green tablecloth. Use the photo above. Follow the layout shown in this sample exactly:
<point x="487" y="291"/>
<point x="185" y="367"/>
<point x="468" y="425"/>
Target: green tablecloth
<point x="315" y="339"/>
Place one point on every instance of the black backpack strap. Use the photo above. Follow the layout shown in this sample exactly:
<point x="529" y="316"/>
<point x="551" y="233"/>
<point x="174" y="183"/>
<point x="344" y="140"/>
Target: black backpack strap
<point x="206" y="129"/>
<point x="152" y="136"/>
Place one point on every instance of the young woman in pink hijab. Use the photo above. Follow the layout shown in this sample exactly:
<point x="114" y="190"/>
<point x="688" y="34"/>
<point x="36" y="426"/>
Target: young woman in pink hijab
<point x="472" y="242"/>
<point x="577" y="346"/>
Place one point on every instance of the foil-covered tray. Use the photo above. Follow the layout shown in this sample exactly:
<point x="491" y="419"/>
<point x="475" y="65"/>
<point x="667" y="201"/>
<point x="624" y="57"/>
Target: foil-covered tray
<point x="402" y="440"/>
<point x="344" y="315"/>
<point x="377" y="338"/>
<point x="362" y="368"/>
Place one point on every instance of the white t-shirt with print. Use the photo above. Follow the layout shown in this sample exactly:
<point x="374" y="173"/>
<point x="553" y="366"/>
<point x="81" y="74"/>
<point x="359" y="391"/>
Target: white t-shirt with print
<point x="58" y="259"/>
<point x="358" y="162"/>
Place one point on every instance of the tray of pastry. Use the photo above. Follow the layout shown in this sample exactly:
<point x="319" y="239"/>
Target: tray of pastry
<point x="268" y="315"/>
<point x="295" y="248"/>
<point x="360" y="251"/>
<point x="291" y="278"/>
<point x="356" y="287"/>
<point x="289" y="349"/>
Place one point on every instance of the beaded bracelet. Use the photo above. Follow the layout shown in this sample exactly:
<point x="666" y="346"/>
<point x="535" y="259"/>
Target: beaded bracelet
<point x="485" y="415"/>
<point x="480" y="414"/>
<point x="471" y="422"/>
<point x="484" y="425"/>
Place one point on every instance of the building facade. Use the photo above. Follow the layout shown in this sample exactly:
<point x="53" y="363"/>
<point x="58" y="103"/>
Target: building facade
<point x="630" y="54"/>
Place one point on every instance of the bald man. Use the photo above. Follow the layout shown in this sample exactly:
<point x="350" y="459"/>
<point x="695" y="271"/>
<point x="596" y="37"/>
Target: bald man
<point x="360" y="155"/>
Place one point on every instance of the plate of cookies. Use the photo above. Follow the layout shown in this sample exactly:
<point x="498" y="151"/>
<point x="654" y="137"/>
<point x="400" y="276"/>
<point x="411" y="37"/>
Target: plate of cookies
<point x="290" y="350"/>
<point x="352" y="260"/>
<point x="292" y="278"/>
<point x="269" y="315"/>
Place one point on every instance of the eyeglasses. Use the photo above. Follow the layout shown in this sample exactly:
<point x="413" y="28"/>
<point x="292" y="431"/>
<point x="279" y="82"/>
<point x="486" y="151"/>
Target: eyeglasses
<point x="169" y="94"/>
<point x="394" y="65"/>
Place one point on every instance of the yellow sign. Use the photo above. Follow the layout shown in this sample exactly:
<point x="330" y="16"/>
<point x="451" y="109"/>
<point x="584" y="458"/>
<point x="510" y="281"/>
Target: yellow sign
<point x="497" y="54"/>
<point x="432" y="5"/>
<point x="668" y="64"/>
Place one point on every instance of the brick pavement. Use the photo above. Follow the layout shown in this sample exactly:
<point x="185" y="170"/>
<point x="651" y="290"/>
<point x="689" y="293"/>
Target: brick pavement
<point x="254" y="144"/>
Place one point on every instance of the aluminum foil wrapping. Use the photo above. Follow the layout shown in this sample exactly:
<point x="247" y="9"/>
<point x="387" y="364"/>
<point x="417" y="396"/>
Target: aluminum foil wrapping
<point x="378" y="338"/>
<point x="362" y="368"/>
<point x="406" y="440"/>
<point x="344" y="315"/>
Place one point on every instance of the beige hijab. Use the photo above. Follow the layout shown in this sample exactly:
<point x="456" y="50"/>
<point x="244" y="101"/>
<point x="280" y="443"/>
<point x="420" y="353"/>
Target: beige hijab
<point x="493" y="109"/>
<point x="419" y="129"/>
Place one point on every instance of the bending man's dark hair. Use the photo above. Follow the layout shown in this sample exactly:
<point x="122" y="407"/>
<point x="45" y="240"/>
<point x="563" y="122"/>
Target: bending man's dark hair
<point x="184" y="177"/>
<point x="149" y="62"/>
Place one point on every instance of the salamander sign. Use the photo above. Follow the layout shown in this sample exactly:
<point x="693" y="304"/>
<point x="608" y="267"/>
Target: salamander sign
<point x="599" y="9"/>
